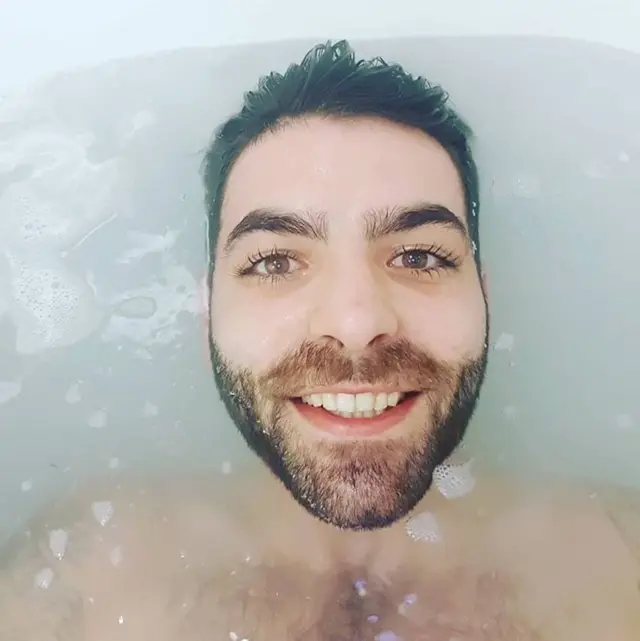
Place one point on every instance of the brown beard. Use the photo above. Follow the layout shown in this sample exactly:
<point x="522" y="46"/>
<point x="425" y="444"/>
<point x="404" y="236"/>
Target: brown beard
<point x="359" y="484"/>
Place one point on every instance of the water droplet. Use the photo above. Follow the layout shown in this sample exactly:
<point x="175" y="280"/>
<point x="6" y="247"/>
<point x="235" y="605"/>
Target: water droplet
<point x="27" y="485"/>
<point x="98" y="419"/>
<point x="361" y="587"/>
<point x="625" y="421"/>
<point x="115" y="556"/>
<point x="149" y="410"/>
<point x="373" y="618"/>
<point x="509" y="411"/>
<point x="9" y="390"/>
<point x="226" y="467"/>
<point x="120" y="620"/>
<point x="114" y="463"/>
<point x="102" y="511"/>
<point x="73" y="394"/>
<point x="387" y="635"/>
<point x="44" y="578"/>
<point x="505" y="342"/>
<point x="58" y="540"/>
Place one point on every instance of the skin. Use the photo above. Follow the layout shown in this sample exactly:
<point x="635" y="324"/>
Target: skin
<point x="348" y="308"/>
<point x="242" y="556"/>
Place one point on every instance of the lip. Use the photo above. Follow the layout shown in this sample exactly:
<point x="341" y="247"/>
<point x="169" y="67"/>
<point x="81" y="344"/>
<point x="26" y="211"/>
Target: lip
<point x="355" y="428"/>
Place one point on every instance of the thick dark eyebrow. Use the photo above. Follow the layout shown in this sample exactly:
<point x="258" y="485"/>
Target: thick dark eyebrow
<point x="378" y="223"/>
<point x="312" y="226"/>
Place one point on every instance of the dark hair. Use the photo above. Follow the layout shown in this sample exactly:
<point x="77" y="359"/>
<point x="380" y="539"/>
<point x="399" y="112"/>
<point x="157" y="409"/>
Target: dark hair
<point x="330" y="81"/>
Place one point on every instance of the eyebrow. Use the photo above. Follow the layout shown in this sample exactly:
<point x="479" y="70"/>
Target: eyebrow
<point x="378" y="223"/>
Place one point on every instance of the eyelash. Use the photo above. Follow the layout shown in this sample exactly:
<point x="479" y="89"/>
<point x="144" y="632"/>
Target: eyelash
<point x="448" y="258"/>
<point x="247" y="270"/>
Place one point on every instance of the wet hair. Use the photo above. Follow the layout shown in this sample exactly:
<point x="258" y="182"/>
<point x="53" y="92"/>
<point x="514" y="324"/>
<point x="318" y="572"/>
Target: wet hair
<point x="330" y="81"/>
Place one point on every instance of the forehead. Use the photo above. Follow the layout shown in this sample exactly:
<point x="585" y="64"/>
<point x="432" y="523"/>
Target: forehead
<point x="343" y="168"/>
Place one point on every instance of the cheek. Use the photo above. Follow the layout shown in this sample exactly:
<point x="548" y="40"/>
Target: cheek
<point x="252" y="333"/>
<point x="451" y="328"/>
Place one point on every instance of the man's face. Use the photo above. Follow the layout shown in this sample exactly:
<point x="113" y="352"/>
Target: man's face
<point x="348" y="322"/>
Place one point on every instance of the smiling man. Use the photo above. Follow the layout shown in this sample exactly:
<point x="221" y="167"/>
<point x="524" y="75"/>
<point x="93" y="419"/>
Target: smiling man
<point x="348" y="331"/>
<point x="348" y="318"/>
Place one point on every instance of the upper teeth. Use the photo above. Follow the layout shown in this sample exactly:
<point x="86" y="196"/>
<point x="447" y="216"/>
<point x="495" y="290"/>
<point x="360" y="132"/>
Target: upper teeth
<point x="357" y="405"/>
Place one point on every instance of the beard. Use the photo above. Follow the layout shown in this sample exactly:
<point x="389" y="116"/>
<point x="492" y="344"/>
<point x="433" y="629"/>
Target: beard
<point x="361" y="484"/>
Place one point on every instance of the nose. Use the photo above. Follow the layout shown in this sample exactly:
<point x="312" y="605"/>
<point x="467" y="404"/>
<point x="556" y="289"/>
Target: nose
<point x="355" y="309"/>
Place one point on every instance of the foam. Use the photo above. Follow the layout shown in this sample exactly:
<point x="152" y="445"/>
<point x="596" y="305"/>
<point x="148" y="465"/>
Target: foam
<point x="50" y="305"/>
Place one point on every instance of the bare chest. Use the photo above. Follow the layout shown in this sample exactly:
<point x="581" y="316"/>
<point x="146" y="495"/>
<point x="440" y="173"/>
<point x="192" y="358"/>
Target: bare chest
<point x="290" y="604"/>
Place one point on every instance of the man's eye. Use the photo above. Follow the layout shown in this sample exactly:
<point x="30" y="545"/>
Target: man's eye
<point x="419" y="259"/>
<point x="276" y="265"/>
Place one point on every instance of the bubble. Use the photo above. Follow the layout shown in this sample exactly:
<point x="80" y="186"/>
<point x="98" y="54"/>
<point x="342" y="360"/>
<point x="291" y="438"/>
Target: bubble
<point x="226" y="467"/>
<point x="44" y="578"/>
<point x="64" y="200"/>
<point x="114" y="463"/>
<point x="115" y="556"/>
<point x="407" y="602"/>
<point x="149" y="410"/>
<point x="50" y="306"/>
<point x="424" y="527"/>
<point x="120" y="620"/>
<point x="504" y="342"/>
<point x="136" y="307"/>
<point x="387" y="635"/>
<point x="102" y="512"/>
<point x="454" y="481"/>
<point x="26" y="486"/>
<point x="175" y="292"/>
<point x="58" y="540"/>
<point x="361" y="587"/>
<point x="9" y="390"/>
<point x="98" y="419"/>
<point x="509" y="411"/>
<point x="625" y="421"/>
<point x="73" y="394"/>
<point x="373" y="618"/>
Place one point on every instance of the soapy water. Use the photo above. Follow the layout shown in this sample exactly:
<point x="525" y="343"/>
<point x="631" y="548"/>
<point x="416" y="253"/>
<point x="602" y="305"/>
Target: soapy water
<point x="64" y="198"/>
<point x="58" y="202"/>
<point x="52" y="307"/>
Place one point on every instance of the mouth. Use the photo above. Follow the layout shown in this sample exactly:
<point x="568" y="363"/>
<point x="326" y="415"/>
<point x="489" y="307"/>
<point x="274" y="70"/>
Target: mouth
<point x="359" y="415"/>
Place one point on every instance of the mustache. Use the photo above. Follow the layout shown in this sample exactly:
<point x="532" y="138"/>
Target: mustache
<point x="398" y="364"/>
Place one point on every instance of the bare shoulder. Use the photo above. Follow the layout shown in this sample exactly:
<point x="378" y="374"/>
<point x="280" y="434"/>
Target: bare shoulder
<point x="82" y="561"/>
<point x="569" y="558"/>
<point x="143" y="555"/>
<point x="622" y="508"/>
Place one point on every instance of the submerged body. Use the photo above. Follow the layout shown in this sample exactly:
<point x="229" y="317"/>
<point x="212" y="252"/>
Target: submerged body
<point x="200" y="561"/>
